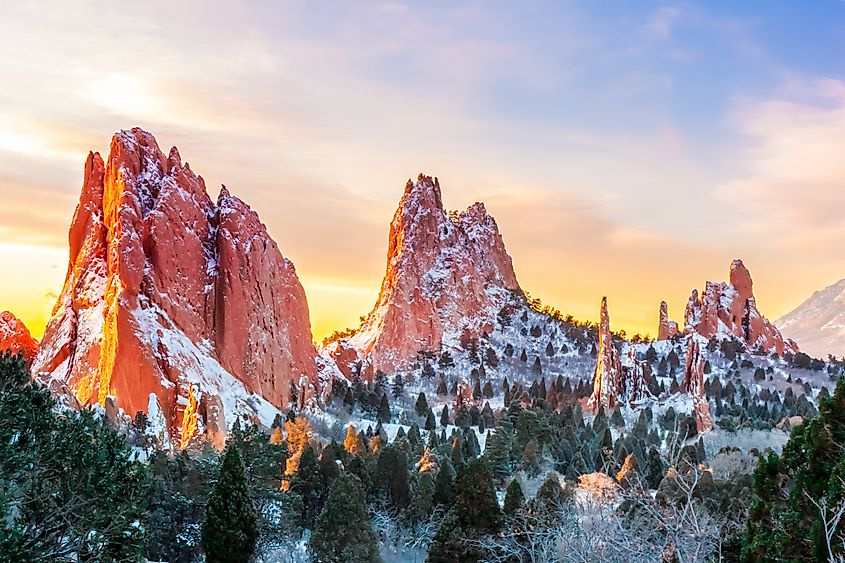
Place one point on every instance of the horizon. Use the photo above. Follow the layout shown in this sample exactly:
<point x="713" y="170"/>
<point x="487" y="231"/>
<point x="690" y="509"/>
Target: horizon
<point x="639" y="187"/>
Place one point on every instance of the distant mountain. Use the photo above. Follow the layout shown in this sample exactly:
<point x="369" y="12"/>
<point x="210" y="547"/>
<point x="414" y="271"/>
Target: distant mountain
<point x="175" y="304"/>
<point x="818" y="324"/>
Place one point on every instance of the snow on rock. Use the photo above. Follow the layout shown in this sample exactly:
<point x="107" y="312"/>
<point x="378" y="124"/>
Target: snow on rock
<point x="728" y="310"/>
<point x="171" y="294"/>
<point x="15" y="337"/>
<point x="818" y="324"/>
<point x="447" y="276"/>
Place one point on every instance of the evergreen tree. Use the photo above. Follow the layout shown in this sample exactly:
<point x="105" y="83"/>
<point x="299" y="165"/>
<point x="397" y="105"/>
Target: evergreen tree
<point x="448" y="543"/>
<point x="421" y="406"/>
<point x="430" y="423"/>
<point x="444" y="416"/>
<point x="392" y="472"/>
<point x="514" y="498"/>
<point x="230" y="530"/>
<point x="398" y="386"/>
<point x="384" y="409"/>
<point x="475" y="498"/>
<point x="308" y="484"/>
<point x="67" y="467"/>
<point x="444" y="484"/>
<point x="343" y="533"/>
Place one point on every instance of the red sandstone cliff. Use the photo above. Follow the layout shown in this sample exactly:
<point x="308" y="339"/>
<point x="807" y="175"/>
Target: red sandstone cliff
<point x="170" y="293"/>
<point x="447" y="275"/>
<point x="729" y="310"/>
<point x="15" y="336"/>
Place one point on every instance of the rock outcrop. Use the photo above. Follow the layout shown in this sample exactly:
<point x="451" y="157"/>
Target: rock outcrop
<point x="15" y="337"/>
<point x="728" y="310"/>
<point x="666" y="328"/>
<point x="447" y="275"/>
<point x="608" y="373"/>
<point x="633" y="388"/>
<point x="694" y="385"/>
<point x="172" y="294"/>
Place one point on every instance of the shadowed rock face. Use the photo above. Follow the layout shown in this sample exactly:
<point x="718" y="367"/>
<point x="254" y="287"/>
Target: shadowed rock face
<point x="15" y="336"/>
<point x="447" y="275"/>
<point x="729" y="310"/>
<point x="168" y="292"/>
<point x="694" y="385"/>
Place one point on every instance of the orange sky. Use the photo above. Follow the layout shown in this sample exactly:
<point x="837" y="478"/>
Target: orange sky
<point x="629" y="154"/>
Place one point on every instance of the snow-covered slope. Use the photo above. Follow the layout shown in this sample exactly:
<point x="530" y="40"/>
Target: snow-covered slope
<point x="818" y="324"/>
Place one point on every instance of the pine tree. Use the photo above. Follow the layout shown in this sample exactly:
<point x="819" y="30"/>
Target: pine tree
<point x="308" y="484"/>
<point x="444" y="416"/>
<point x="514" y="498"/>
<point x="447" y="545"/>
<point x="421" y="406"/>
<point x="392" y="470"/>
<point x="430" y="423"/>
<point x="475" y="498"/>
<point x="343" y="533"/>
<point x="230" y="530"/>
<point x="398" y="386"/>
<point x="384" y="410"/>
<point x="444" y="484"/>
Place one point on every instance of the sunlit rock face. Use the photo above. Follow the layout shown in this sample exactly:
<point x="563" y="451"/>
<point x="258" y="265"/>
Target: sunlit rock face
<point x="170" y="293"/>
<point x="607" y="377"/>
<point x="447" y="275"/>
<point x="666" y="328"/>
<point x="729" y="310"/>
<point x="15" y="337"/>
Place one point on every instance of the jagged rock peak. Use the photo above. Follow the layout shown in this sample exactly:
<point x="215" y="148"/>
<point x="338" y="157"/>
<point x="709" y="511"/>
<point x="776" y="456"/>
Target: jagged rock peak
<point x="15" y="336"/>
<point x="729" y="310"/>
<point x="608" y="372"/>
<point x="447" y="274"/>
<point x="170" y="294"/>
<point x="666" y="328"/>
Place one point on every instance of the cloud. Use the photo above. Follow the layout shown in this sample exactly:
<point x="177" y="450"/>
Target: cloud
<point x="792" y="187"/>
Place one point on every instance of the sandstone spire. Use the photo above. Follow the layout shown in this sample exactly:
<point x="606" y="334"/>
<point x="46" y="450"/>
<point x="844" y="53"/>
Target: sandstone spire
<point x="694" y="385"/>
<point x="171" y="294"/>
<point x="606" y="379"/>
<point x="666" y="328"/>
<point x="729" y="310"/>
<point x="447" y="274"/>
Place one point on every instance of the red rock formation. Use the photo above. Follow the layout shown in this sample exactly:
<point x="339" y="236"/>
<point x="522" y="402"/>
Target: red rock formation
<point x="607" y="376"/>
<point x="635" y="377"/>
<point x="14" y="336"/>
<point x="694" y="385"/>
<point x="447" y="273"/>
<point x="666" y="328"/>
<point x="729" y="310"/>
<point x="170" y="293"/>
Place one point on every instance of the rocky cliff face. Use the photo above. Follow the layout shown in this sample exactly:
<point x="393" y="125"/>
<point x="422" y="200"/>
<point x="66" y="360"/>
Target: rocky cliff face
<point x="447" y="276"/>
<point x="666" y="328"/>
<point x="15" y="337"/>
<point x="729" y="310"/>
<point x="608" y="374"/>
<point x="172" y="294"/>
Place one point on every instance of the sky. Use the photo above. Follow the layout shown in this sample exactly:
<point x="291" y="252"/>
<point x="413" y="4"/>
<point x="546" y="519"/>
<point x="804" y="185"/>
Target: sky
<point x="627" y="149"/>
